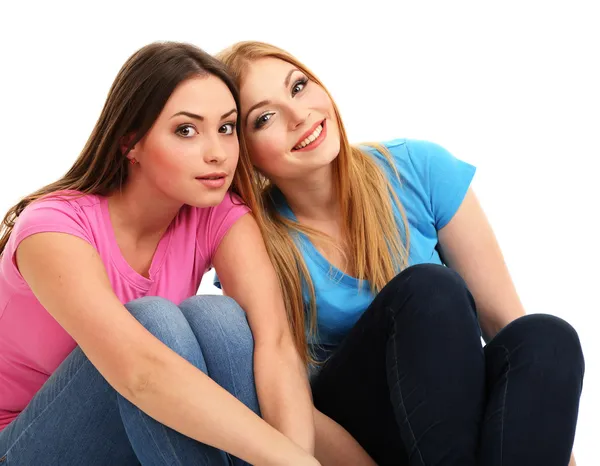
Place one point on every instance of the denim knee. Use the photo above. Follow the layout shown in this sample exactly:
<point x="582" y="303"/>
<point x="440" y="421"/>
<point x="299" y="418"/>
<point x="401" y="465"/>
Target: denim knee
<point x="163" y="319"/>
<point x="432" y="279"/>
<point x="437" y="291"/>
<point x="223" y="333"/>
<point x="218" y="318"/>
<point x="548" y="342"/>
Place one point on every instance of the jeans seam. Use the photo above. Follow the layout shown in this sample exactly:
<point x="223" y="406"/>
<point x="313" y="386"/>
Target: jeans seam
<point x="399" y="390"/>
<point x="26" y="429"/>
<point x="228" y="350"/>
<point x="507" y="354"/>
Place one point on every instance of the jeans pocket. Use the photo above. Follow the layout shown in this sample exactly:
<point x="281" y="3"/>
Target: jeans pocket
<point x="3" y="459"/>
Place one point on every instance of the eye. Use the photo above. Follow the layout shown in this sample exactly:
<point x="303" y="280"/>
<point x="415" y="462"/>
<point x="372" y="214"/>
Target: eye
<point x="227" y="128"/>
<point x="299" y="86"/>
<point x="262" y="120"/>
<point x="186" y="131"/>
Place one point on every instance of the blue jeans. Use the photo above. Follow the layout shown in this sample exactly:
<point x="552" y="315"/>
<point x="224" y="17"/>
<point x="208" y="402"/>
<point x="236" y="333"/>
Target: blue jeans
<point x="77" y="418"/>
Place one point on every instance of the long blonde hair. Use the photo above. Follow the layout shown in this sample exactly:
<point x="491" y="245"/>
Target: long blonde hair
<point x="376" y="248"/>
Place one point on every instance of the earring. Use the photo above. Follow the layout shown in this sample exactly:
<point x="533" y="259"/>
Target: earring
<point x="132" y="161"/>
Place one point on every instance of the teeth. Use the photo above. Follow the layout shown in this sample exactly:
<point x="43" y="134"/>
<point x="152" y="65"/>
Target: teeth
<point x="310" y="138"/>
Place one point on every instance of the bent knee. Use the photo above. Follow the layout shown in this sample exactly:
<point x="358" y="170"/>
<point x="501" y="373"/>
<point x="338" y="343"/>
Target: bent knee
<point x="553" y="340"/>
<point x="152" y="310"/>
<point x="163" y="319"/>
<point x="213" y="304"/>
<point x="216" y="316"/>
<point x="432" y="289"/>
<point x="431" y="279"/>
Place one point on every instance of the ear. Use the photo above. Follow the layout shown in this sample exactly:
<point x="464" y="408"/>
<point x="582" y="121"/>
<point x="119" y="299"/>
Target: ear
<point x="125" y="144"/>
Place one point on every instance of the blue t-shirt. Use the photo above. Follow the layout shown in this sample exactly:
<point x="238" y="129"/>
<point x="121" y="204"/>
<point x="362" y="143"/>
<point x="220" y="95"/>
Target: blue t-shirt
<point x="432" y="186"/>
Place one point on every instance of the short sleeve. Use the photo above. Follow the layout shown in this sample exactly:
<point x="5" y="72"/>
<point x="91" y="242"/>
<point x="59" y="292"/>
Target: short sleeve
<point x="445" y="178"/>
<point x="53" y="215"/>
<point x="220" y="219"/>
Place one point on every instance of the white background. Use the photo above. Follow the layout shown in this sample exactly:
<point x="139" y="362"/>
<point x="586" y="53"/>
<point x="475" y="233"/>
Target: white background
<point x="512" y="88"/>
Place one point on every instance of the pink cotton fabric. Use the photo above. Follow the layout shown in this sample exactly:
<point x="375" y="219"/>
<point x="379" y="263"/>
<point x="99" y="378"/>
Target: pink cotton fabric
<point x="32" y="343"/>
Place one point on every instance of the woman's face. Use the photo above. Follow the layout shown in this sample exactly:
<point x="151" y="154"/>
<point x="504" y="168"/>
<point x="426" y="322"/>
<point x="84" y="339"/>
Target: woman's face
<point x="289" y="122"/>
<point x="191" y="152"/>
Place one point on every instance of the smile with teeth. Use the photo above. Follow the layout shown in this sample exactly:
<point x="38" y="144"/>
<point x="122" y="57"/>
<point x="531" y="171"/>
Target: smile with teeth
<point x="310" y="139"/>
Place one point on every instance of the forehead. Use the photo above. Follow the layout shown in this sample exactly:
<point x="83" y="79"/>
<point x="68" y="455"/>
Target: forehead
<point x="201" y="94"/>
<point x="262" y="78"/>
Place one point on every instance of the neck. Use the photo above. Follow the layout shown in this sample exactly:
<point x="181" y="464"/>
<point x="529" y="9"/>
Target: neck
<point x="139" y="214"/>
<point x="312" y="197"/>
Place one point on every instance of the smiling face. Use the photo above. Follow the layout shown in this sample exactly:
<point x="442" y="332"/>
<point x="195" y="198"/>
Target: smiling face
<point x="289" y="121"/>
<point x="191" y="152"/>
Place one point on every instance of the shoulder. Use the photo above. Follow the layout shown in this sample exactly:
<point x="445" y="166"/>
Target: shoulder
<point x="60" y="212"/>
<point x="428" y="169"/>
<point x="55" y="209"/>
<point x="415" y="151"/>
<point x="423" y="157"/>
<point x="63" y="202"/>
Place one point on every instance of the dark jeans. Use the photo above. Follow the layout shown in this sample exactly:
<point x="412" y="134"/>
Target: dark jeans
<point x="413" y="384"/>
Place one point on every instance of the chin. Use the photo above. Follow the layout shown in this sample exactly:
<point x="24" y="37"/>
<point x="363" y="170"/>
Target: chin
<point x="208" y="199"/>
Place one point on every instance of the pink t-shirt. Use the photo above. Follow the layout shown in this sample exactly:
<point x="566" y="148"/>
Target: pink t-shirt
<point x="32" y="343"/>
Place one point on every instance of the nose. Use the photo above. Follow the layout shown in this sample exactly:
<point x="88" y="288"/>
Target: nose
<point x="298" y="115"/>
<point x="215" y="153"/>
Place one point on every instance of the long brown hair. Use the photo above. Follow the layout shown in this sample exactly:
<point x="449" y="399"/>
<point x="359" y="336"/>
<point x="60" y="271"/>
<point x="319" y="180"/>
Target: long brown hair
<point x="376" y="247"/>
<point x="136" y="98"/>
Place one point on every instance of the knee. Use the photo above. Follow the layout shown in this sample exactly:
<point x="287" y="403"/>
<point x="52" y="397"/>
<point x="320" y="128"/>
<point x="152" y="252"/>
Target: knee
<point x="432" y="278"/>
<point x="152" y="311"/>
<point x="432" y="290"/>
<point x="548" y="342"/>
<point x="218" y="320"/>
<point x="163" y="319"/>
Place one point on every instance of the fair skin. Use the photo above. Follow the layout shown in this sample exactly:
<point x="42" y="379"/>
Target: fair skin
<point x="63" y="271"/>
<point x="279" y="108"/>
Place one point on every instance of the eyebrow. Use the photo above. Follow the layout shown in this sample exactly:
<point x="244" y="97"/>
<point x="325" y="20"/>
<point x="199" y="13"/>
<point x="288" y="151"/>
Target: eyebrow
<point x="289" y="75"/>
<point x="200" y="117"/>
<point x="230" y="112"/>
<point x="262" y="103"/>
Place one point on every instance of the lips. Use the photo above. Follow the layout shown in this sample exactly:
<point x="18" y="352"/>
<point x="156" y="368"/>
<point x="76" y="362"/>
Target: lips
<point x="310" y="136"/>
<point x="213" y="180"/>
<point x="212" y="176"/>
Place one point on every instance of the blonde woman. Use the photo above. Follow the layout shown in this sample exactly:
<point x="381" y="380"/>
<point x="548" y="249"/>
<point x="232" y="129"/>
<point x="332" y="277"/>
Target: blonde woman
<point x="387" y="260"/>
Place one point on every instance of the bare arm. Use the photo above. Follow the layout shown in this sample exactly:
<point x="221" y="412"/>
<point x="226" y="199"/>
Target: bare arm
<point x="67" y="276"/>
<point x="247" y="275"/>
<point x="470" y="247"/>
<point x="335" y="446"/>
